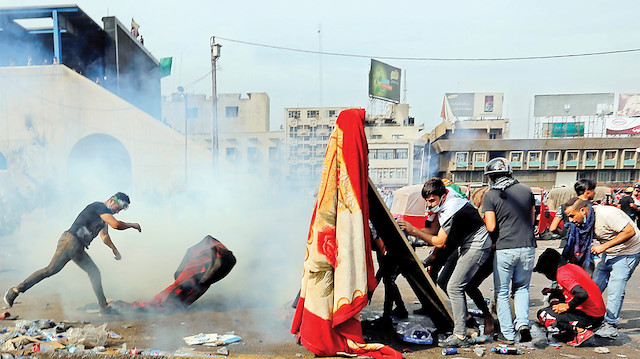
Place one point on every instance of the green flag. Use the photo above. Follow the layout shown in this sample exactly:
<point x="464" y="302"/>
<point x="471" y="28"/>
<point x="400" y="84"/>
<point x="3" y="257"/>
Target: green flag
<point x="165" y="66"/>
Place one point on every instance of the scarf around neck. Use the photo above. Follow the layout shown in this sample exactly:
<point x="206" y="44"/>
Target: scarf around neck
<point x="578" y="247"/>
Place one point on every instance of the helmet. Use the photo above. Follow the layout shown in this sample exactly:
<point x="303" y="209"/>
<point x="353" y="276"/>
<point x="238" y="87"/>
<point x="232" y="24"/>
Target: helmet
<point x="498" y="165"/>
<point x="629" y="190"/>
<point x="636" y="185"/>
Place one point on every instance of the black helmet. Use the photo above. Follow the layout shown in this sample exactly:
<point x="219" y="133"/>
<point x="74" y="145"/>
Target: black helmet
<point x="498" y="165"/>
<point x="636" y="185"/>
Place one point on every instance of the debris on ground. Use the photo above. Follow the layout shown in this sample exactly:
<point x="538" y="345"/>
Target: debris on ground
<point x="212" y="339"/>
<point x="601" y="350"/>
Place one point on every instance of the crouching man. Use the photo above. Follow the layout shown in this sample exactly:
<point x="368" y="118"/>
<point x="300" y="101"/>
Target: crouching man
<point x="578" y="306"/>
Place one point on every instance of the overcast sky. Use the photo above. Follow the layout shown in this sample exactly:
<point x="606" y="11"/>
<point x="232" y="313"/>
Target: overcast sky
<point x="447" y="29"/>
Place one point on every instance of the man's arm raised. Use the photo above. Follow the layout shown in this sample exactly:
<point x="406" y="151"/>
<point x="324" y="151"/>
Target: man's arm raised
<point x="119" y="225"/>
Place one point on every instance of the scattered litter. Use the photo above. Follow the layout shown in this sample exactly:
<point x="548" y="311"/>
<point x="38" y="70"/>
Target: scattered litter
<point x="299" y="355"/>
<point x="479" y="351"/>
<point x="602" y="350"/>
<point x="223" y="351"/>
<point x="126" y="326"/>
<point x="621" y="355"/>
<point x="414" y="333"/>
<point x="212" y="339"/>
<point x="571" y="356"/>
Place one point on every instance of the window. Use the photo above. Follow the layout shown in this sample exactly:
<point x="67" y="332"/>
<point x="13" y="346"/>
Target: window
<point x="610" y="158"/>
<point x="479" y="159"/>
<point x="462" y="159"/>
<point x="253" y="154"/>
<point x="232" y="153"/>
<point x="571" y="158"/>
<point x="402" y="153"/>
<point x="553" y="159"/>
<point x="397" y="137"/>
<point x="629" y="157"/>
<point x="313" y="113"/>
<point x="376" y="137"/>
<point x="590" y="158"/>
<point x="516" y="158"/>
<point x="232" y="111"/>
<point x="332" y="113"/>
<point x="534" y="158"/>
<point x="294" y="114"/>
<point x="604" y="176"/>
<point x="495" y="133"/>
<point x="622" y="175"/>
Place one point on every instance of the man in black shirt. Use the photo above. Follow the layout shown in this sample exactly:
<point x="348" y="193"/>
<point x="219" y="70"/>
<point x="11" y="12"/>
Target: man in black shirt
<point x="457" y="224"/>
<point x="627" y="205"/>
<point x="93" y="220"/>
<point x="509" y="211"/>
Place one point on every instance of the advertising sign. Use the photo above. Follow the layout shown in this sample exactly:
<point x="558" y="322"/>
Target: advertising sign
<point x="472" y="105"/>
<point x="623" y="126"/>
<point x="563" y="129"/>
<point x="384" y="81"/>
<point x="629" y="105"/>
<point x="487" y="105"/>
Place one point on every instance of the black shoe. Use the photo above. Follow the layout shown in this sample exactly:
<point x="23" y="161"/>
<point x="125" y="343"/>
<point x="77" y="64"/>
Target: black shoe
<point x="9" y="297"/>
<point x="400" y="313"/>
<point x="453" y="341"/>
<point x="525" y="334"/>
<point x="500" y="338"/>
<point x="420" y="311"/>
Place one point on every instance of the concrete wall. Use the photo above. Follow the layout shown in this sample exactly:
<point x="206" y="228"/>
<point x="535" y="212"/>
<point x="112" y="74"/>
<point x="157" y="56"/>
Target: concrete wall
<point x="46" y="111"/>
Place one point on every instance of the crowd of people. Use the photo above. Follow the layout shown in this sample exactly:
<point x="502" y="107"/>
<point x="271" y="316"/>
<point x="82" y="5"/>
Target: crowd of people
<point x="600" y="251"/>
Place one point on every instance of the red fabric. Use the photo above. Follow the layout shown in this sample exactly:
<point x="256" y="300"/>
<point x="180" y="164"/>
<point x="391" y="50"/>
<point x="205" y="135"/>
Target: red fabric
<point x="570" y="275"/>
<point x="338" y="268"/>
<point x="188" y="286"/>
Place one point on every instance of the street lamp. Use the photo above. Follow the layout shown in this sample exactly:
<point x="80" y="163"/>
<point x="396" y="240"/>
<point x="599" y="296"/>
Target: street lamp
<point x="184" y="95"/>
<point x="215" y="54"/>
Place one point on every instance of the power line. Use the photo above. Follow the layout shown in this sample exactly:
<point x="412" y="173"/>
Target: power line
<point x="513" y="58"/>
<point x="198" y="80"/>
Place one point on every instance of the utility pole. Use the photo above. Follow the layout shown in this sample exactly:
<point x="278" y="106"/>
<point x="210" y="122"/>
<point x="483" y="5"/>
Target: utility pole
<point x="215" y="54"/>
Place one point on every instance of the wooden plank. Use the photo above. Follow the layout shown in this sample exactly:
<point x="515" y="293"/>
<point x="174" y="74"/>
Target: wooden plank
<point x="397" y="245"/>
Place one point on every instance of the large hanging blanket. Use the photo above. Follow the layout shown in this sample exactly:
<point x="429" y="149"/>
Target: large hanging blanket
<point x="204" y="264"/>
<point x="338" y="268"/>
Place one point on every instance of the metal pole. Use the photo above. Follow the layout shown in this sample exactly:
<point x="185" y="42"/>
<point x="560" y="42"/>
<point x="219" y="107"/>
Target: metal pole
<point x="215" y="54"/>
<point x="186" y="115"/>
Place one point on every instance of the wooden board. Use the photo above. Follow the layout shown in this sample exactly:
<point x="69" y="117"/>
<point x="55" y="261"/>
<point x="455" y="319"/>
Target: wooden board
<point x="431" y="297"/>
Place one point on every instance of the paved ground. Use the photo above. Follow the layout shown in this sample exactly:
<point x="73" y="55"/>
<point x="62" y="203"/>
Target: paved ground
<point x="257" y="313"/>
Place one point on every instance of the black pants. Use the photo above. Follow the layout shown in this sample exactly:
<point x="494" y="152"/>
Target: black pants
<point x="69" y="249"/>
<point x="568" y="320"/>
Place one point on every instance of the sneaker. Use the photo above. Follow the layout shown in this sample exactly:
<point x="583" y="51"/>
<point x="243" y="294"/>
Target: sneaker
<point x="581" y="338"/>
<point x="525" y="334"/>
<point x="501" y="338"/>
<point x="453" y="341"/>
<point x="9" y="297"/>
<point x="607" y="330"/>
<point x="108" y="311"/>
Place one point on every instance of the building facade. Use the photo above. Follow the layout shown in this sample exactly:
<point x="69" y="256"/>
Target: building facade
<point x="395" y="149"/>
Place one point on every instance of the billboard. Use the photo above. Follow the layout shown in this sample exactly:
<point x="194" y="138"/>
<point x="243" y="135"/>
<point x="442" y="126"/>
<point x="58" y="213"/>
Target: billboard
<point x="629" y="105"/>
<point x="623" y="126"/>
<point x="472" y="105"/>
<point x="563" y="129"/>
<point x="384" y="81"/>
<point x="594" y="104"/>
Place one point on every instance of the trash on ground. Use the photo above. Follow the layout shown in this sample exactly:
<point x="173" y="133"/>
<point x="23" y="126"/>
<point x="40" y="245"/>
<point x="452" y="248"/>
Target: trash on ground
<point x="416" y="333"/>
<point x="602" y="350"/>
<point x="212" y="339"/>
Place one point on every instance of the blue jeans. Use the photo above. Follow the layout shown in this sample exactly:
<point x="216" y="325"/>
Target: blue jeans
<point x="614" y="272"/>
<point x="513" y="265"/>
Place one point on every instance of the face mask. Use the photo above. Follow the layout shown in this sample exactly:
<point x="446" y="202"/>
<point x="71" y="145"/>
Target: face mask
<point x="437" y="208"/>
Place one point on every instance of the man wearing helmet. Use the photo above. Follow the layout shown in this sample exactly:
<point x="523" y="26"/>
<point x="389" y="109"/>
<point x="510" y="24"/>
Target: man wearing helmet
<point x="93" y="220"/>
<point x="509" y="213"/>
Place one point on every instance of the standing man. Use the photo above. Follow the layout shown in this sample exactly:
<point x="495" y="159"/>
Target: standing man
<point x="627" y="204"/>
<point x="619" y="249"/>
<point x="457" y="224"/>
<point x="509" y="212"/>
<point x="585" y="189"/>
<point x="93" y="220"/>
